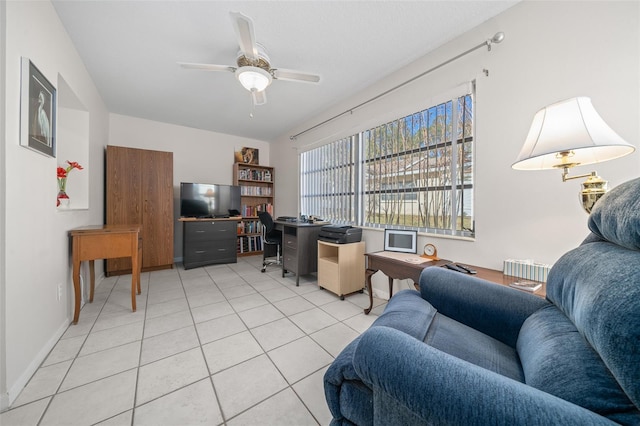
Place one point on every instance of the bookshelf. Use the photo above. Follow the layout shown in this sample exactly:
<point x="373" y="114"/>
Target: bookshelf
<point x="256" y="195"/>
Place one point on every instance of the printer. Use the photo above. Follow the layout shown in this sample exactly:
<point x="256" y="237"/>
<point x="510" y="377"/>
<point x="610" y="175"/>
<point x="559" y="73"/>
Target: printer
<point x="340" y="234"/>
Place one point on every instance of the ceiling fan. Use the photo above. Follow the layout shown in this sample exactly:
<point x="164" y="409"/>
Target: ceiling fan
<point x="253" y="68"/>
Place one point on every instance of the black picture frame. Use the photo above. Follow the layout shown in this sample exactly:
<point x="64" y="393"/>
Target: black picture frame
<point x="38" y="108"/>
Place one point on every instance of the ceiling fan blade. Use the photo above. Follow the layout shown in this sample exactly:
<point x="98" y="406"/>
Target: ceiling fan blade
<point x="291" y="75"/>
<point x="206" y="67"/>
<point x="246" y="37"/>
<point x="259" y="98"/>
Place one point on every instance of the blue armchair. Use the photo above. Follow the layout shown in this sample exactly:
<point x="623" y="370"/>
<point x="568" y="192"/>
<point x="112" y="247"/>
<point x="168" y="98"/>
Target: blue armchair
<point x="464" y="351"/>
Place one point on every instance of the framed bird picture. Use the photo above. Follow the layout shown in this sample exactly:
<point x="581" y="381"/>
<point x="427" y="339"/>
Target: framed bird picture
<point x="37" y="110"/>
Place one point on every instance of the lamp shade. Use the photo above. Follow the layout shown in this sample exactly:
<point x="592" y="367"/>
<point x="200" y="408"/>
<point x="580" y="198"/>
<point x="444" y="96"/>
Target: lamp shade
<point x="253" y="78"/>
<point x="569" y="133"/>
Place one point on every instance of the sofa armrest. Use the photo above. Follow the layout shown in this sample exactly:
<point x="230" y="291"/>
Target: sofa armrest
<point x="490" y="308"/>
<point x="414" y="383"/>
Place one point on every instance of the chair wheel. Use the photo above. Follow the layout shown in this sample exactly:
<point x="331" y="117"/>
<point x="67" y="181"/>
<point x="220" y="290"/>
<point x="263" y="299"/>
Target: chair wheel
<point x="264" y="269"/>
<point x="342" y="297"/>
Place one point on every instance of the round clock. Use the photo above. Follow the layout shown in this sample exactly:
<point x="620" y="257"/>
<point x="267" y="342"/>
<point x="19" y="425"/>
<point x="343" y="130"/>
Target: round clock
<point x="430" y="252"/>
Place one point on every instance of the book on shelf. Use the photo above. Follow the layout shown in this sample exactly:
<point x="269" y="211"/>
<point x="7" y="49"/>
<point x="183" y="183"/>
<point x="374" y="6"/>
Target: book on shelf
<point x="256" y="191"/>
<point x="252" y="211"/>
<point x="530" y="286"/>
<point x="249" y="227"/>
<point x="249" y="244"/>
<point x="252" y="174"/>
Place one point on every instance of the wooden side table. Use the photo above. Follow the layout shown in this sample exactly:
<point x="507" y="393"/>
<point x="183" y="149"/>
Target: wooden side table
<point x="105" y="242"/>
<point x="399" y="266"/>
<point x="409" y="266"/>
<point x="499" y="277"/>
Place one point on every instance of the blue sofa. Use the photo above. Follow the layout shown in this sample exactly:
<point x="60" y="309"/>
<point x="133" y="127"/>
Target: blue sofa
<point x="464" y="351"/>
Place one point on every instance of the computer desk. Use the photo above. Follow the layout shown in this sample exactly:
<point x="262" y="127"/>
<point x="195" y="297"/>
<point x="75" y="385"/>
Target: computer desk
<point x="299" y="247"/>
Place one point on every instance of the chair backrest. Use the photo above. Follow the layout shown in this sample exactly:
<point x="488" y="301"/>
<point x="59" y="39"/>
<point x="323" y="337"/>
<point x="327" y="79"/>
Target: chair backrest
<point x="267" y="221"/>
<point x="597" y="285"/>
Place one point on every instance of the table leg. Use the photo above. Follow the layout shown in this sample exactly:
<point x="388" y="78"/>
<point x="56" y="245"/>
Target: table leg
<point x="76" y="280"/>
<point x="390" y="287"/>
<point x="139" y="271"/>
<point x="135" y="278"/>
<point x="92" y="278"/>
<point x="367" y="281"/>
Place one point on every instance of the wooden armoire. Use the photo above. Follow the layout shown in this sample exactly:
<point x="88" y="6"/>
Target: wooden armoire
<point x="139" y="190"/>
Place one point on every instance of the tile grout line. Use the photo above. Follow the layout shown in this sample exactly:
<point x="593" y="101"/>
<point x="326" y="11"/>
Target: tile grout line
<point x="266" y="353"/>
<point x="73" y="360"/>
<point x="144" y="326"/>
<point x="246" y="274"/>
<point x="204" y="357"/>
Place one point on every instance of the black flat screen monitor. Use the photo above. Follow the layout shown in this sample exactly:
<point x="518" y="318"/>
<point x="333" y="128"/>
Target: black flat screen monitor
<point x="208" y="200"/>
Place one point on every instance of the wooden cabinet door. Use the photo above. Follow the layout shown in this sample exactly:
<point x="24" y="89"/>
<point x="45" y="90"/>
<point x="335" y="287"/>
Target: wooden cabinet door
<point x="123" y="189"/>
<point x="157" y="206"/>
<point x="139" y="190"/>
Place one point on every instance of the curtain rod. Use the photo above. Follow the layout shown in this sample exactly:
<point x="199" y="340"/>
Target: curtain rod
<point x="497" y="38"/>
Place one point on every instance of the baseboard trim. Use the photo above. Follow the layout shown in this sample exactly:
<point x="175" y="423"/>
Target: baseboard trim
<point x="4" y="402"/>
<point x="23" y="380"/>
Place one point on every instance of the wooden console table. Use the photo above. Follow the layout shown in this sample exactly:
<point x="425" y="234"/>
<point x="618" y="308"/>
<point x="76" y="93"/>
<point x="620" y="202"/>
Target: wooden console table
<point x="409" y="266"/>
<point x="105" y="242"/>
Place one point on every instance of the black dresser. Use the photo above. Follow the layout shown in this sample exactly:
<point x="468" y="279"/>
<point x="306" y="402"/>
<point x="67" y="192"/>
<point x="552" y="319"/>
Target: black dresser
<point x="209" y="241"/>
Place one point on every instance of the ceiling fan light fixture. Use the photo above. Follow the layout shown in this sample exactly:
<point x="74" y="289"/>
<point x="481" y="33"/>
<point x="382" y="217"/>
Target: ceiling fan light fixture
<point x="253" y="78"/>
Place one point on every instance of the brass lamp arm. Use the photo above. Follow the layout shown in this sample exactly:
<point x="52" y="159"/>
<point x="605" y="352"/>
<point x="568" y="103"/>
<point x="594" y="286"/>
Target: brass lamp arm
<point x="566" y="177"/>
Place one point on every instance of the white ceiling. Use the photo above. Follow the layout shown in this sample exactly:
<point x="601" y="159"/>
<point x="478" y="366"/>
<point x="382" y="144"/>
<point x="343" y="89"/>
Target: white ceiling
<point x="130" y="48"/>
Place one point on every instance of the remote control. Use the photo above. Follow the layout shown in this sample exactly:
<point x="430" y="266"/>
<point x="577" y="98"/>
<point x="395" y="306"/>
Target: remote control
<point x="467" y="269"/>
<point x="455" y="268"/>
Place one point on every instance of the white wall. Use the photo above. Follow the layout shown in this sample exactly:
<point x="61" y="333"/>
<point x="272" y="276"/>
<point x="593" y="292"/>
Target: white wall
<point x="36" y="257"/>
<point x="4" y="397"/>
<point x="198" y="155"/>
<point x="552" y="51"/>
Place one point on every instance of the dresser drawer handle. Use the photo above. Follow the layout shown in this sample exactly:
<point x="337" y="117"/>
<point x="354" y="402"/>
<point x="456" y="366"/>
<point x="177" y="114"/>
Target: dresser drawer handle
<point x="222" y="249"/>
<point x="200" y="232"/>
<point x="200" y="251"/>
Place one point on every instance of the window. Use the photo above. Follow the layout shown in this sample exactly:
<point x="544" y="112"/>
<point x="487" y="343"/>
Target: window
<point x="328" y="182"/>
<point x="415" y="172"/>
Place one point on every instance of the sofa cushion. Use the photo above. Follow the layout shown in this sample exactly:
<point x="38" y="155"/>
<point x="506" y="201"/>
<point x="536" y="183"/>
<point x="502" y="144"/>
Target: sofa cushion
<point x="557" y="359"/>
<point x="466" y="343"/>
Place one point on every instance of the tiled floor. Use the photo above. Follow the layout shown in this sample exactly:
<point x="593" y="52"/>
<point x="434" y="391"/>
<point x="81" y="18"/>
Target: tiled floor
<point x="223" y="344"/>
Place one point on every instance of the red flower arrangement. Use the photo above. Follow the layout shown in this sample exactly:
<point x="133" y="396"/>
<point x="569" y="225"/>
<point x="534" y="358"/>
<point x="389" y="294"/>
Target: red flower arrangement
<point x="62" y="174"/>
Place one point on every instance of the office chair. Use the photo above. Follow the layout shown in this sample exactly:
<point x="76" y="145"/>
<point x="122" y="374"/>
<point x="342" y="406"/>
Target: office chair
<point x="271" y="239"/>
